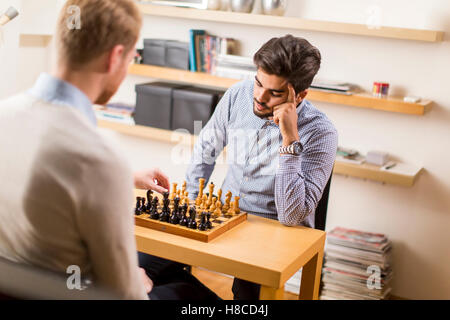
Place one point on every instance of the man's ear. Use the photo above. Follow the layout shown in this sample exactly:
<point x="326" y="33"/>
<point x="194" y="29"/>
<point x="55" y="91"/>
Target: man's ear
<point x="301" y="95"/>
<point x="115" y="58"/>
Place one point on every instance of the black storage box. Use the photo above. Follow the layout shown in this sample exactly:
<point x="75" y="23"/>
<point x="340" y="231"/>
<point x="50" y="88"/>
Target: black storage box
<point x="166" y="53"/>
<point x="177" y="55"/>
<point x="192" y="104"/>
<point x="154" y="104"/>
<point x="154" y="52"/>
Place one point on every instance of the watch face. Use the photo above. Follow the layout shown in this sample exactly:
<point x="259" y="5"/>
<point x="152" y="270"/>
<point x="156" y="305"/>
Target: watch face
<point x="297" y="148"/>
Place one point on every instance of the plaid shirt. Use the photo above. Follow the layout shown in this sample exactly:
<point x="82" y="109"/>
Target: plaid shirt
<point x="283" y="187"/>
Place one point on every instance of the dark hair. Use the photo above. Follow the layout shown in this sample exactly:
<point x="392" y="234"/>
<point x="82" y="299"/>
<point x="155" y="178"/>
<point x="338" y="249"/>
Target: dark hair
<point x="292" y="58"/>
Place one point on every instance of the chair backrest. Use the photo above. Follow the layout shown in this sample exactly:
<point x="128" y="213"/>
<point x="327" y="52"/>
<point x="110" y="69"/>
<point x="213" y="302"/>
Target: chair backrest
<point x="322" y="207"/>
<point x="29" y="282"/>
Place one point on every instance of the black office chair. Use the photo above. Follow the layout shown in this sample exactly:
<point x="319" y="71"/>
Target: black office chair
<point x="320" y="218"/>
<point x="19" y="282"/>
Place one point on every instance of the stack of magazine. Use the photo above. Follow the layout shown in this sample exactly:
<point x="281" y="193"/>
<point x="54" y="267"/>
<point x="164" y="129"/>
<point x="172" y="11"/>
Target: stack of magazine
<point x="235" y="67"/>
<point x="116" y="112"/>
<point x="357" y="266"/>
<point x="334" y="87"/>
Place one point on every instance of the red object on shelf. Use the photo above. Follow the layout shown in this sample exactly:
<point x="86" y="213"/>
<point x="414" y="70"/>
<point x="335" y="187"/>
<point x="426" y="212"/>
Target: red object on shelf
<point x="380" y="89"/>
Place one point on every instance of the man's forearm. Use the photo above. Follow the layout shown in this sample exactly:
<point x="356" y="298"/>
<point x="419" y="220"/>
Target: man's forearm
<point x="290" y="192"/>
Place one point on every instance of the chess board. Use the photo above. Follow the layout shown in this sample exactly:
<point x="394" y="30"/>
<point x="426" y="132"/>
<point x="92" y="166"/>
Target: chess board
<point x="220" y="225"/>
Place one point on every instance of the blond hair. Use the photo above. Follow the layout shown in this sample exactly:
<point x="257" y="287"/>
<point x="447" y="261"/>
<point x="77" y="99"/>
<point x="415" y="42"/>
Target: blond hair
<point x="89" y="28"/>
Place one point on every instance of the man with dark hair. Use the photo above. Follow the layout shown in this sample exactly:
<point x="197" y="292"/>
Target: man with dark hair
<point x="280" y="148"/>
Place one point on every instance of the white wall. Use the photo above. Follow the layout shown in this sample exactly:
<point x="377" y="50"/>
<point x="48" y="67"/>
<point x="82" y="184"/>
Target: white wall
<point x="416" y="219"/>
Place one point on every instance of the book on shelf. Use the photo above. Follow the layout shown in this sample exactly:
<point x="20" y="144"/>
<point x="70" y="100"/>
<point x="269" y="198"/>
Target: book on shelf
<point x="194" y="34"/>
<point x="205" y="48"/>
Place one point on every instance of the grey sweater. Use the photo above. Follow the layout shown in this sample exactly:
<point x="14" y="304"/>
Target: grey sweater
<point x="66" y="196"/>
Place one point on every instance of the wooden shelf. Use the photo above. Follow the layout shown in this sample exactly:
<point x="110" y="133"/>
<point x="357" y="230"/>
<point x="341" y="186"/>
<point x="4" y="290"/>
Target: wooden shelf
<point x="292" y="23"/>
<point x="144" y="132"/>
<point x="402" y="174"/>
<point x="355" y="100"/>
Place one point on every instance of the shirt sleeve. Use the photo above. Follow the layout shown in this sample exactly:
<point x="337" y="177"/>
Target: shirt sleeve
<point x="106" y="224"/>
<point x="300" y="180"/>
<point x="211" y="141"/>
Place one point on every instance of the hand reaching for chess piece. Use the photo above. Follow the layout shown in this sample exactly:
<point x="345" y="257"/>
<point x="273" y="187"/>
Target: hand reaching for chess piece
<point x="152" y="179"/>
<point x="148" y="283"/>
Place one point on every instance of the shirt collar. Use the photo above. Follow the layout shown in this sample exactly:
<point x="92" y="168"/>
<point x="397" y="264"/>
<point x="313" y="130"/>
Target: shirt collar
<point x="57" y="91"/>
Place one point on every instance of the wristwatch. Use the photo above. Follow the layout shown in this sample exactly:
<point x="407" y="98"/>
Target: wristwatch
<point x="295" y="148"/>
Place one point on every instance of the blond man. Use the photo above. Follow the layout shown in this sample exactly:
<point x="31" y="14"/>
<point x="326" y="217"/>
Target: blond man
<point x="66" y="194"/>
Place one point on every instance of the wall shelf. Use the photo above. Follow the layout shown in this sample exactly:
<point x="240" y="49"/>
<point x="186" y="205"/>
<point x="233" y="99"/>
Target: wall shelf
<point x="356" y="100"/>
<point x="292" y="23"/>
<point x="402" y="174"/>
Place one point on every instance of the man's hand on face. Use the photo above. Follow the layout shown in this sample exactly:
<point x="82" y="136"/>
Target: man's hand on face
<point x="152" y="179"/>
<point x="285" y="116"/>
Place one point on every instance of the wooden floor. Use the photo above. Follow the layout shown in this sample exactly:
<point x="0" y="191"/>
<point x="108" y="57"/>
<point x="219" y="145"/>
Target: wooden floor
<point x="221" y="284"/>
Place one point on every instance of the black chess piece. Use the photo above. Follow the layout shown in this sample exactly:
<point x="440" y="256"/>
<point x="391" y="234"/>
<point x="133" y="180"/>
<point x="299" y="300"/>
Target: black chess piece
<point x="137" y="210"/>
<point x="165" y="215"/>
<point x="143" y="206"/>
<point x="184" y="219"/>
<point x="176" y="204"/>
<point x="166" y="201"/>
<point x="192" y="223"/>
<point x="149" y="201"/>
<point x="175" y="217"/>
<point x="208" y="220"/>
<point x="154" y="214"/>
<point x="203" y="226"/>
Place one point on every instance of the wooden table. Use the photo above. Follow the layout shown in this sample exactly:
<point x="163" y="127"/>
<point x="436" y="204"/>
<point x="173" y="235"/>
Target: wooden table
<point x="259" y="250"/>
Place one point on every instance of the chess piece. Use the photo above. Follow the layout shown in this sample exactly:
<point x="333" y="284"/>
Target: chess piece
<point x="154" y="214"/>
<point x="212" y="207"/>
<point x="184" y="220"/>
<point x="176" y="204"/>
<point x="174" y="191"/>
<point x="226" y="206"/>
<point x="183" y="188"/>
<point x="175" y="217"/>
<point x="208" y="220"/>
<point x="236" y="205"/>
<point x="203" y="225"/>
<point x="204" y="201"/>
<point x="143" y="206"/>
<point x="219" y="195"/>
<point x="186" y="198"/>
<point x="137" y="210"/>
<point x="210" y="195"/>
<point x="149" y="201"/>
<point x="218" y="212"/>
<point x="192" y="224"/>
<point x="231" y="211"/>
<point x="201" y="186"/>
<point x="165" y="214"/>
